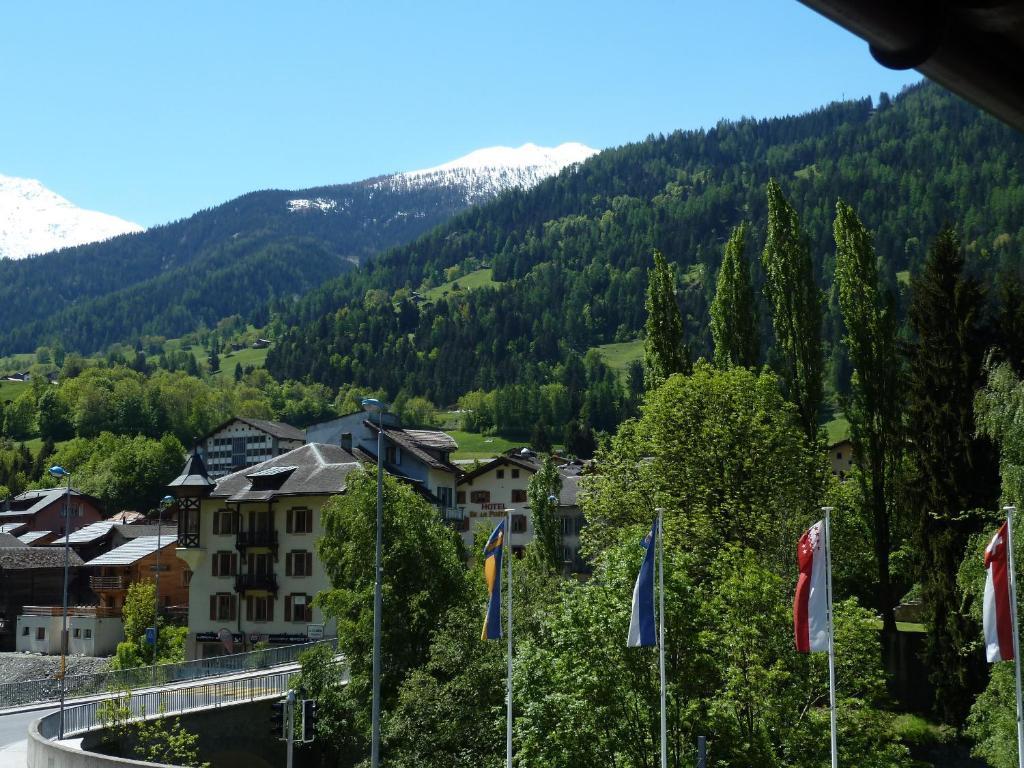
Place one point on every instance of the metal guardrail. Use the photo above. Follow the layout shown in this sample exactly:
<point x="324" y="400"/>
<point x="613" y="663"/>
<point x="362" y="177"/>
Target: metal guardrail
<point x="82" y="718"/>
<point x="48" y="689"/>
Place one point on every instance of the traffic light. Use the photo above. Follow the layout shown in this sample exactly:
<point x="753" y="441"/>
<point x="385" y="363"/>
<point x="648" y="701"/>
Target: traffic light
<point x="278" y="719"/>
<point x="308" y="719"/>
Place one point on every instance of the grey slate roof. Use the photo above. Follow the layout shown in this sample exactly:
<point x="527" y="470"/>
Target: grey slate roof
<point x="23" y="558"/>
<point x="135" y="531"/>
<point x="320" y="470"/>
<point x="193" y="474"/>
<point x="133" y="551"/>
<point x="7" y="540"/>
<point x="404" y="439"/>
<point x="433" y="438"/>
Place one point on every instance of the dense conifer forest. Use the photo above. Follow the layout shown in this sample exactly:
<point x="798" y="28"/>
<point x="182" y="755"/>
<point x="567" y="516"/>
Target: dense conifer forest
<point x="570" y="258"/>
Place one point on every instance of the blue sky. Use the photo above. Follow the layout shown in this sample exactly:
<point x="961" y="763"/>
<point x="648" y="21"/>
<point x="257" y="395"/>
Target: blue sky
<point x="151" y="111"/>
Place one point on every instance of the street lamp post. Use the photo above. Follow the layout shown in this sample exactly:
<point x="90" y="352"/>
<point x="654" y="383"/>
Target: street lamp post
<point x="59" y="472"/>
<point x="165" y="502"/>
<point x="372" y="405"/>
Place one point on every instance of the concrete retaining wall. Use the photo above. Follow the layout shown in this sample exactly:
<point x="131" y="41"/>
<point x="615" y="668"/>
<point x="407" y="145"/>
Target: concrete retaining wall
<point x="43" y="753"/>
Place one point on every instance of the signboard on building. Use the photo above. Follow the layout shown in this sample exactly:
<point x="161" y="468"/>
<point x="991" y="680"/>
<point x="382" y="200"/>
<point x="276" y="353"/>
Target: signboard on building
<point x="315" y="631"/>
<point x="287" y="639"/>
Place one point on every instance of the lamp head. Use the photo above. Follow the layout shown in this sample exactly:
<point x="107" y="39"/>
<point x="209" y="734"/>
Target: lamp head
<point x="58" y="471"/>
<point x="373" y="405"/>
<point x="552" y="499"/>
<point x="166" y="501"/>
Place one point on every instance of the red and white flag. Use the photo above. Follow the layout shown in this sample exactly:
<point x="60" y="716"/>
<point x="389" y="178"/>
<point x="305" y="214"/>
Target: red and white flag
<point x="810" y="606"/>
<point x="996" y="615"/>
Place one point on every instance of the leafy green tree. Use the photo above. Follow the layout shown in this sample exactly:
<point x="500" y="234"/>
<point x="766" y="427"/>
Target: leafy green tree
<point x="54" y="416"/>
<point x="722" y="452"/>
<point x="20" y="417"/>
<point x="796" y="303"/>
<point x="734" y="311"/>
<point x="423" y="577"/>
<point x="665" y="350"/>
<point x="875" y="404"/>
<point x="544" y="484"/>
<point x="138" y="613"/>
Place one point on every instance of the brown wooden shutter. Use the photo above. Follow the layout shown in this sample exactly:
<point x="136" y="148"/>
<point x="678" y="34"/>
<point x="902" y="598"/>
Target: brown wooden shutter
<point x="288" y="608"/>
<point x="214" y="564"/>
<point x="290" y="517"/>
<point x="234" y="563"/>
<point x="270" y="607"/>
<point x="234" y="607"/>
<point x="248" y="608"/>
<point x="309" y="564"/>
<point x="213" y="607"/>
<point x="288" y="564"/>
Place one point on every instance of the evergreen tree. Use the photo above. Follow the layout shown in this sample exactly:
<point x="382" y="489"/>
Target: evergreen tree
<point x="796" y="304"/>
<point x="733" y="315"/>
<point x="544" y="485"/>
<point x="665" y="349"/>
<point x="955" y="473"/>
<point x="874" y="406"/>
<point x="238" y="371"/>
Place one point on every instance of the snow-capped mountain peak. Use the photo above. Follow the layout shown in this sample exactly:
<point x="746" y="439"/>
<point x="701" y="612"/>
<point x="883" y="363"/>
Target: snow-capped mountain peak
<point x="485" y="173"/>
<point x="34" y="219"/>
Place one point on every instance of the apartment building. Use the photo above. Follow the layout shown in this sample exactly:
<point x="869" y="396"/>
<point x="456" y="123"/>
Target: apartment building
<point x="249" y="540"/>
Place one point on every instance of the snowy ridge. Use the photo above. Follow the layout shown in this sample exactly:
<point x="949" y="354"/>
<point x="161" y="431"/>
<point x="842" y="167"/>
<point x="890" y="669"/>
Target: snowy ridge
<point x="33" y="219"/>
<point x="486" y="173"/>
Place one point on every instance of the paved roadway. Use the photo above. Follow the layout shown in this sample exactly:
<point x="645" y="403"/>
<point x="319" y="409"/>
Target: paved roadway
<point x="13" y="736"/>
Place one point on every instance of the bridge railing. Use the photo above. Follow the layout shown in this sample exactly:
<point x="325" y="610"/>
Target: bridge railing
<point x="48" y="689"/>
<point x="82" y="718"/>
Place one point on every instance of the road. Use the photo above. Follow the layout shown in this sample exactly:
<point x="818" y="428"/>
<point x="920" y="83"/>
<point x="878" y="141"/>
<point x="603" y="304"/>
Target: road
<point x="14" y="734"/>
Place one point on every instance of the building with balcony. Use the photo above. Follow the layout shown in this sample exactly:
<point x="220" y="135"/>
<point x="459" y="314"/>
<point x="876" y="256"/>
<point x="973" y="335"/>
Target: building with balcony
<point x="242" y="442"/>
<point x="140" y="559"/>
<point x="250" y="541"/>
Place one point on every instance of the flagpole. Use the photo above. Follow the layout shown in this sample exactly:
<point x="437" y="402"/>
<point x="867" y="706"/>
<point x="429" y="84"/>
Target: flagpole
<point x="661" y="631"/>
<point x="1010" y="510"/>
<point x="508" y="716"/>
<point x="831" y="635"/>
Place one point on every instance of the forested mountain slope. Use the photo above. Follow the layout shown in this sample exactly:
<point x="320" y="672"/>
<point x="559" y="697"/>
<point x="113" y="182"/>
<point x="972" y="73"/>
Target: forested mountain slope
<point x="572" y="254"/>
<point x="240" y="256"/>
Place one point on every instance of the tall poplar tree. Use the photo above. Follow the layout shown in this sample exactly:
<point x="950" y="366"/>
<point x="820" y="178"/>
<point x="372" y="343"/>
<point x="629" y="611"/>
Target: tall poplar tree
<point x="874" y="405"/>
<point x="665" y="349"/>
<point x="796" y="304"/>
<point x="733" y="317"/>
<point x="955" y="473"/>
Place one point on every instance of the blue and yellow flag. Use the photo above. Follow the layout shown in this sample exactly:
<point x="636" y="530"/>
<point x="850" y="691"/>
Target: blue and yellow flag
<point x="492" y="574"/>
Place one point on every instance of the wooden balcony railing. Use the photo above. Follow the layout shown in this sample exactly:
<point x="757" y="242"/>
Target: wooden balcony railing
<point x="108" y="583"/>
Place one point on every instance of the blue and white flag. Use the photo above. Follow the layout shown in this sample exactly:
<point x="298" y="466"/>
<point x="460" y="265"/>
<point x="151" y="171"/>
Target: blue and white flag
<point x="641" y="622"/>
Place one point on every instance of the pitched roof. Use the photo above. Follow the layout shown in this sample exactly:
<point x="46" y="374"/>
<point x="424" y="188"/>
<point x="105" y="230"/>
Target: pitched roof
<point x="22" y="558"/>
<point x="90" y="532"/>
<point x="12" y="528"/>
<point x="433" y="438"/>
<point x="527" y="463"/>
<point x="319" y="470"/>
<point x="126" y="518"/>
<point x="193" y="474"/>
<point x="33" y="502"/>
<point x="31" y="537"/>
<point x="132" y="552"/>
<point x="7" y="540"/>
<point x="278" y="429"/>
<point x="135" y="531"/>
<point x="404" y="438"/>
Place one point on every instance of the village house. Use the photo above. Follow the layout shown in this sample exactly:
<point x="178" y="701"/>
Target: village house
<point x="840" y="456"/>
<point x="250" y="541"/>
<point x="32" y="576"/>
<point x="242" y="442"/>
<point x="420" y="457"/>
<point x="43" y="510"/>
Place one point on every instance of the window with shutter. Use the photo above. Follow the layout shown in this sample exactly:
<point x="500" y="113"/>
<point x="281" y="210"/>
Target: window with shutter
<point x="233" y="600"/>
<point x="288" y="608"/>
<point x="518" y="495"/>
<point x="460" y="497"/>
<point x="288" y="564"/>
<point x="213" y="607"/>
<point x="290" y="524"/>
<point x="518" y="523"/>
